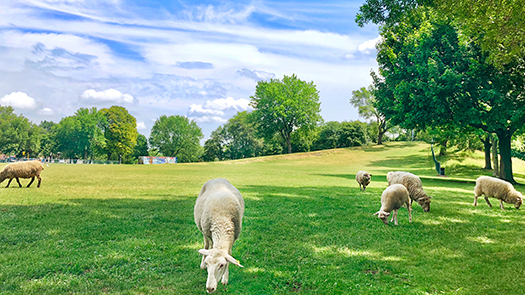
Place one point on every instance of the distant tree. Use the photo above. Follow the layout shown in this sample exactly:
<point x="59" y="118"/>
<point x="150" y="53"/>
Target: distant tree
<point x="48" y="138"/>
<point x="328" y="136"/>
<point x="240" y="140"/>
<point x="17" y="134"/>
<point x="353" y="134"/>
<point x="283" y="106"/>
<point x="177" y="136"/>
<point x="365" y="102"/>
<point x="213" y="147"/>
<point x="141" y="148"/>
<point x="120" y="132"/>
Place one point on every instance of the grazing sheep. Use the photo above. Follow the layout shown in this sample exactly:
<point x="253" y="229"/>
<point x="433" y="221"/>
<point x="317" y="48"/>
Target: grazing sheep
<point x="363" y="178"/>
<point x="499" y="189"/>
<point x="414" y="186"/>
<point x="29" y="169"/>
<point x="218" y="214"/>
<point x="393" y="198"/>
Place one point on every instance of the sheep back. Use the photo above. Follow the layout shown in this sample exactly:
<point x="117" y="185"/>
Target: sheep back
<point x="394" y="197"/>
<point x="413" y="184"/>
<point x="27" y="169"/>
<point x="218" y="199"/>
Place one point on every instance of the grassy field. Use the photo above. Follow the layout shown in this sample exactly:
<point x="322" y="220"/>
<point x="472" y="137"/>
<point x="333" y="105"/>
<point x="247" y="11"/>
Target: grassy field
<point x="94" y="229"/>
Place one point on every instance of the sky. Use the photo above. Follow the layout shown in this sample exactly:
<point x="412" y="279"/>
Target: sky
<point x="200" y="59"/>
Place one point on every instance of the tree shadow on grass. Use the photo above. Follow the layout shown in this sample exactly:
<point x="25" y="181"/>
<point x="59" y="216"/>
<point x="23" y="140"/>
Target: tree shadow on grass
<point x="387" y="146"/>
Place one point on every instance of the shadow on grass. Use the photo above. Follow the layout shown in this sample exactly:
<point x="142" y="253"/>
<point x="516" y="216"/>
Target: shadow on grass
<point x="390" y="146"/>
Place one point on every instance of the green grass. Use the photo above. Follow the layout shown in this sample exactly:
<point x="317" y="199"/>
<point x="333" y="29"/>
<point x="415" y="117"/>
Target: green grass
<point x="94" y="229"/>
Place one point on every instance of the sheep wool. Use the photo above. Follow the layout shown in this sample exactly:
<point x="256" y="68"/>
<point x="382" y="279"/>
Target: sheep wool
<point x="393" y="198"/>
<point x="499" y="189"/>
<point x="29" y="169"/>
<point x="363" y="178"/>
<point x="414" y="186"/>
<point x="218" y="213"/>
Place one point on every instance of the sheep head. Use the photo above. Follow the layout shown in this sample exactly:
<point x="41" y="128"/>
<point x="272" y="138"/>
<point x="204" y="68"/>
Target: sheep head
<point x="383" y="216"/>
<point x="425" y="203"/>
<point x="516" y="199"/>
<point x="216" y="262"/>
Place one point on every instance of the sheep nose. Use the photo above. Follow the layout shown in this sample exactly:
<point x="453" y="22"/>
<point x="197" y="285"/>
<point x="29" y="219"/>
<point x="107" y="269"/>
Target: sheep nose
<point x="210" y="290"/>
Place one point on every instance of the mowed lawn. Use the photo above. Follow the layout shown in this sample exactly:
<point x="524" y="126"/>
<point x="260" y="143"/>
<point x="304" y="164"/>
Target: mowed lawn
<point x="129" y="229"/>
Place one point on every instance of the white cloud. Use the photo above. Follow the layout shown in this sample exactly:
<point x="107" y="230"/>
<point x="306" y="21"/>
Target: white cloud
<point x="141" y="126"/>
<point x="369" y="46"/>
<point x="228" y="103"/>
<point x="109" y="95"/>
<point x="208" y="119"/>
<point x="46" y="112"/>
<point x="199" y="110"/>
<point x="19" y="100"/>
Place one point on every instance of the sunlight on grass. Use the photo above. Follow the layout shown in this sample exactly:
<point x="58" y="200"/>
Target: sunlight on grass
<point x="483" y="240"/>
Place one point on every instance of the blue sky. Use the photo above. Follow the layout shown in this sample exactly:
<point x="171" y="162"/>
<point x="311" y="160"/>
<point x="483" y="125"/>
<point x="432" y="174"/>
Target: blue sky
<point x="200" y="59"/>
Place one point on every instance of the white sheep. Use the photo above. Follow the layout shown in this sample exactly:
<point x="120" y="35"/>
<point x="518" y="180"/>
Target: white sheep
<point x="218" y="214"/>
<point x="29" y="169"/>
<point x="414" y="186"/>
<point x="363" y="178"/>
<point x="393" y="198"/>
<point x="499" y="189"/>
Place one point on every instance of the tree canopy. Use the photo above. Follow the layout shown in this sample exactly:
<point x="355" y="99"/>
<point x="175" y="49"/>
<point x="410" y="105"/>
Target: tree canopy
<point x="366" y="103"/>
<point x="120" y="132"/>
<point x="283" y="106"/>
<point x="176" y="136"/>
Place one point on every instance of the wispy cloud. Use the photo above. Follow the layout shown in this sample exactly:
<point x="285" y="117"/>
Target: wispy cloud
<point x="218" y="110"/>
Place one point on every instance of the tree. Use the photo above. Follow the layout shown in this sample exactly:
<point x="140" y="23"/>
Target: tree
<point x="213" y="147"/>
<point x="17" y="134"/>
<point x="365" y="102"/>
<point x="48" y="139"/>
<point x="176" y="136"/>
<point x="141" y="148"/>
<point x="240" y="140"/>
<point x="120" y="132"/>
<point x="283" y="106"/>
<point x="431" y="76"/>
<point x="494" y="25"/>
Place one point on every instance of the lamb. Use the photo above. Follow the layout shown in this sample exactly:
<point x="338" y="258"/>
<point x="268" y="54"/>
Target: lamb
<point x="363" y="178"/>
<point x="218" y="214"/>
<point x="499" y="189"/>
<point x="393" y="198"/>
<point x="414" y="186"/>
<point x="29" y="169"/>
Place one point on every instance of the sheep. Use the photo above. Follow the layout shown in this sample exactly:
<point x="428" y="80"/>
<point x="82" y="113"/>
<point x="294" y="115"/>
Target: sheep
<point x="393" y="198"/>
<point x="363" y="178"/>
<point x="29" y="169"/>
<point x="414" y="186"/>
<point x="499" y="189"/>
<point x="218" y="214"/>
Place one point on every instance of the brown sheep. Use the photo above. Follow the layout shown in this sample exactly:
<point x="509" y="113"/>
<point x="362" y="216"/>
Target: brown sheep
<point x="29" y="169"/>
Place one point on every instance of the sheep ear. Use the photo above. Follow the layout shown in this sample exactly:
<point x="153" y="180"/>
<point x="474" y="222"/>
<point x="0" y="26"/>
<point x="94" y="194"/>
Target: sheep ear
<point x="232" y="260"/>
<point x="204" y="252"/>
<point x="377" y="213"/>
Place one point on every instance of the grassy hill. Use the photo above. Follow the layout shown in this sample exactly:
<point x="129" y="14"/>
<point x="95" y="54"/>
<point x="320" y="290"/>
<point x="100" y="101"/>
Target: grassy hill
<point x="122" y="229"/>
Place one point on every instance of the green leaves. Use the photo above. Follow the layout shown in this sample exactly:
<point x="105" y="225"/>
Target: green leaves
<point x="176" y="136"/>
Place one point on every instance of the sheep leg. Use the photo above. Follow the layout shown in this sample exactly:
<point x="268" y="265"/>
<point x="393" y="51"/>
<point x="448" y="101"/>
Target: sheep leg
<point x="487" y="199"/>
<point x="476" y="200"/>
<point x="225" y="275"/>
<point x="18" y="180"/>
<point x="364" y="187"/>
<point x="395" y="217"/>
<point x="409" y="207"/>
<point x="31" y="182"/>
<point x="501" y="205"/>
<point x="9" y="183"/>
<point x="206" y="246"/>
<point x="360" y="187"/>
<point x="39" y="180"/>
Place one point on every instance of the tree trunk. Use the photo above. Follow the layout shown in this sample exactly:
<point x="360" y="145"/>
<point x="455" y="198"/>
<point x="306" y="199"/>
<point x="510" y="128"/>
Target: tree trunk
<point x="289" y="143"/>
<point x="443" y="148"/>
<point x="380" y="135"/>
<point x="495" y="158"/>
<point x="505" y="154"/>
<point x="487" y="145"/>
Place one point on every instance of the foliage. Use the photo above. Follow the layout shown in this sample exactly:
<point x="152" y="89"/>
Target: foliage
<point x="283" y="106"/>
<point x="240" y="139"/>
<point x="141" y="148"/>
<point x="176" y="136"/>
<point x="335" y="134"/>
<point x="120" y="132"/>
<point x="17" y="134"/>
<point x="48" y="145"/>
<point x="365" y="102"/>
<point x="494" y="25"/>
<point x="431" y="76"/>
<point x="213" y="147"/>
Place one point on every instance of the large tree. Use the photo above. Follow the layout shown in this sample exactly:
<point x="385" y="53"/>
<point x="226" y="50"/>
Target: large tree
<point x="365" y="102"/>
<point x="17" y="134"/>
<point x="176" y="136"/>
<point x="494" y="25"/>
<point x="120" y="132"/>
<point x="431" y="75"/>
<point x="283" y="106"/>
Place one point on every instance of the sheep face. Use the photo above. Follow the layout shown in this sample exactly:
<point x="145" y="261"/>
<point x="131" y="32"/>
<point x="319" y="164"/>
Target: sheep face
<point x="517" y="200"/>
<point x="383" y="216"/>
<point x="425" y="203"/>
<point x="216" y="262"/>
